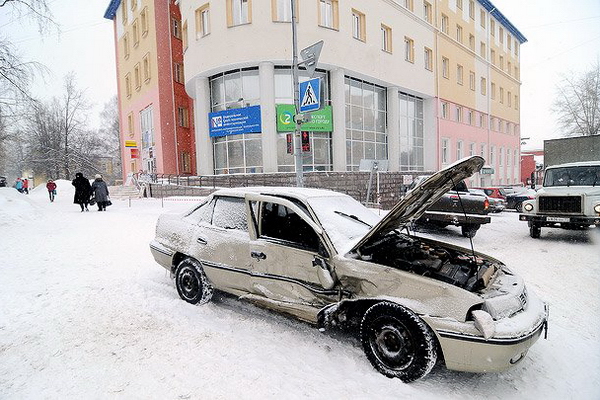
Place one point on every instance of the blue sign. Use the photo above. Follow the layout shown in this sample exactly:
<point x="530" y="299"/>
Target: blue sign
<point x="234" y="122"/>
<point x="310" y="95"/>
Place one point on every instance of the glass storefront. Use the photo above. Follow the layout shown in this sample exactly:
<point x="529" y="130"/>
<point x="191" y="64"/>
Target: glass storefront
<point x="411" y="133"/>
<point x="366" y="114"/>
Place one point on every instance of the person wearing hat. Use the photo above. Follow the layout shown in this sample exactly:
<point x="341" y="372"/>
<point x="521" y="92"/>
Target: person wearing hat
<point x="83" y="190"/>
<point x="100" y="192"/>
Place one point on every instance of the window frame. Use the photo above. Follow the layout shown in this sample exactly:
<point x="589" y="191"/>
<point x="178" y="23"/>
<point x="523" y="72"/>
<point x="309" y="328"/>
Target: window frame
<point x="359" y="29"/>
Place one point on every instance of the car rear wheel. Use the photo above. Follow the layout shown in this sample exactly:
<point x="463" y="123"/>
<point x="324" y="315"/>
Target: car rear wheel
<point x="397" y="342"/>
<point x="191" y="281"/>
<point x="469" y="230"/>
<point x="519" y="207"/>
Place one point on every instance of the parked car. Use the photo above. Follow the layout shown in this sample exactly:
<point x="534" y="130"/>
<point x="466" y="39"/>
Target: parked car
<point x="515" y="200"/>
<point x="324" y="258"/>
<point x="495" y="192"/>
<point x="457" y="207"/>
<point x="496" y="204"/>
<point x="3" y="181"/>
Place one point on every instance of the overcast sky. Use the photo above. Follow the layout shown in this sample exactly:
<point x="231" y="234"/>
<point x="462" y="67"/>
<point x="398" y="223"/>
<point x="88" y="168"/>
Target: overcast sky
<point x="561" y="40"/>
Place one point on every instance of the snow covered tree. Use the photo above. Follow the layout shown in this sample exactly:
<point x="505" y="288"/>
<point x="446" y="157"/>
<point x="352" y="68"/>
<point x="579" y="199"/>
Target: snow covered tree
<point x="578" y="103"/>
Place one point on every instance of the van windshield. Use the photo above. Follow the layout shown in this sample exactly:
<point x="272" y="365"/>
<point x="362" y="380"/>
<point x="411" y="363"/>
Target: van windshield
<point x="573" y="176"/>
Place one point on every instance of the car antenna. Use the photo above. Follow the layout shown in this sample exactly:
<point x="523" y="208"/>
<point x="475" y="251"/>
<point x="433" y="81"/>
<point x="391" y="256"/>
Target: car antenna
<point x="466" y="219"/>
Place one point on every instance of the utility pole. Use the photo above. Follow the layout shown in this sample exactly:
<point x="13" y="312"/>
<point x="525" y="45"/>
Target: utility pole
<point x="297" y="138"/>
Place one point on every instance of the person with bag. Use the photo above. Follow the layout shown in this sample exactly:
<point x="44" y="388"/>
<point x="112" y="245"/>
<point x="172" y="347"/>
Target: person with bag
<point x="83" y="191"/>
<point x="100" y="193"/>
<point x="51" y="186"/>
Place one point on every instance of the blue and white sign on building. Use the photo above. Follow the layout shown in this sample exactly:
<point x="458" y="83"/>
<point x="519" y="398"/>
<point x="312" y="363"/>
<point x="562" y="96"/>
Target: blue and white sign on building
<point x="310" y="95"/>
<point x="234" y="122"/>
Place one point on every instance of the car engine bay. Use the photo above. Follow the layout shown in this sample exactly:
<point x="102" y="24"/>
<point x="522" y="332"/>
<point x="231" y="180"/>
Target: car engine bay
<point x="429" y="259"/>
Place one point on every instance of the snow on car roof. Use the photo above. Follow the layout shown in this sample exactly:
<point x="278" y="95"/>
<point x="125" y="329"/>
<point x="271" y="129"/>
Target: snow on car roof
<point x="298" y="192"/>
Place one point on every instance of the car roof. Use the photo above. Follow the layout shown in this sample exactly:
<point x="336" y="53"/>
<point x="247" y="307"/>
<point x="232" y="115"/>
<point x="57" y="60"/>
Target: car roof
<point x="297" y="192"/>
<point x="576" y="164"/>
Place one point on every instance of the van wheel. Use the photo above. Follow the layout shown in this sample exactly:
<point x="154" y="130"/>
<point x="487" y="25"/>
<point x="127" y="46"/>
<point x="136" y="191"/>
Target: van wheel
<point x="397" y="342"/>
<point x="191" y="281"/>
<point x="519" y="207"/>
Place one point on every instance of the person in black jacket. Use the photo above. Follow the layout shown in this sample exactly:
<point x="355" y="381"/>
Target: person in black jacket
<point x="83" y="191"/>
<point x="100" y="192"/>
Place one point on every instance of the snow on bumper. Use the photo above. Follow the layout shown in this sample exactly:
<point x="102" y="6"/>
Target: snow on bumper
<point x="162" y="255"/>
<point x="465" y="348"/>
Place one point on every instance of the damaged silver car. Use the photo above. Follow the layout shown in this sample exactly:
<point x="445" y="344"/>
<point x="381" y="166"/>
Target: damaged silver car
<point x="323" y="257"/>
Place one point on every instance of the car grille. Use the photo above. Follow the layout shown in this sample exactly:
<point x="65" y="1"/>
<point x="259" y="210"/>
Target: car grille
<point x="561" y="204"/>
<point x="523" y="298"/>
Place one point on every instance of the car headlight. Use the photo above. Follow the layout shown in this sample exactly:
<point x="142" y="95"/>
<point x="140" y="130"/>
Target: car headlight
<point x="528" y="207"/>
<point x="484" y="323"/>
<point x="597" y="208"/>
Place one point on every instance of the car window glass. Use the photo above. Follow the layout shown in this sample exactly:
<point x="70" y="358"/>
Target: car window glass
<point x="202" y="213"/>
<point x="280" y="222"/>
<point x="230" y="213"/>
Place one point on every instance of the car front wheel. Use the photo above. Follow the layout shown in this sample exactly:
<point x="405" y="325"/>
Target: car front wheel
<point x="535" y="231"/>
<point x="191" y="281"/>
<point x="397" y="342"/>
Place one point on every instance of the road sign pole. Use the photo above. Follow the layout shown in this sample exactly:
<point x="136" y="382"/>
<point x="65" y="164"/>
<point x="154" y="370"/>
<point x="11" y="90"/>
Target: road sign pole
<point x="297" y="138"/>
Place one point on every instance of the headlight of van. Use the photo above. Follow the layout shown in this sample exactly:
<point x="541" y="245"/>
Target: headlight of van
<point x="597" y="208"/>
<point x="529" y="207"/>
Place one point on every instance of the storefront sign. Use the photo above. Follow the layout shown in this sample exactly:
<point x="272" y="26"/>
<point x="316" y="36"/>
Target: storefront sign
<point x="134" y="153"/>
<point x="130" y="143"/>
<point x="235" y="121"/>
<point x="487" y="171"/>
<point x="320" y="120"/>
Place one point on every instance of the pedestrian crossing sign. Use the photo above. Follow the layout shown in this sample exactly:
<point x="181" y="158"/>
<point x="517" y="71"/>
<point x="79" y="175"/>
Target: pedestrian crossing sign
<point x="310" y="95"/>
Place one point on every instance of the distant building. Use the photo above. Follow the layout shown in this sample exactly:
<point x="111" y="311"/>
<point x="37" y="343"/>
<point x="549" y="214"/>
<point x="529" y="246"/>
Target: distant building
<point x="156" y="115"/>
<point x="415" y="82"/>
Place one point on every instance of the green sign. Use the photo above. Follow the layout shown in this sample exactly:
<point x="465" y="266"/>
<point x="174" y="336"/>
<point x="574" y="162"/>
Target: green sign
<point x="320" y="120"/>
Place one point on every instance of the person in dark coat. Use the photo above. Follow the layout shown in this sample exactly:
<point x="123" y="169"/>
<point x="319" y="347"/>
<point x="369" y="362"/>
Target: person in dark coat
<point x="83" y="191"/>
<point x="100" y="191"/>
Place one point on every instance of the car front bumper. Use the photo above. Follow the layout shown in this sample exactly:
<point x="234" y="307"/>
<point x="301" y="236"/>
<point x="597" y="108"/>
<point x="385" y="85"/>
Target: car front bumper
<point x="552" y="220"/>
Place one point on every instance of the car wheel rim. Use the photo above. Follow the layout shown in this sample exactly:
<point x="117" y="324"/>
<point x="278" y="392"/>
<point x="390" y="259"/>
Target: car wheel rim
<point x="392" y="345"/>
<point x="190" y="286"/>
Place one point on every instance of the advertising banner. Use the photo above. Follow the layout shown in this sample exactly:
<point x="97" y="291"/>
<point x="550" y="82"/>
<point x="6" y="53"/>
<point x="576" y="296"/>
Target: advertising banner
<point x="235" y="121"/>
<point x="320" y="121"/>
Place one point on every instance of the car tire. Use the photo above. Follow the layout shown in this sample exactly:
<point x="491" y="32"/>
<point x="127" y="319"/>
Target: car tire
<point x="469" y="230"/>
<point x="535" y="231"/>
<point x="397" y="342"/>
<point x="519" y="207"/>
<point x="191" y="282"/>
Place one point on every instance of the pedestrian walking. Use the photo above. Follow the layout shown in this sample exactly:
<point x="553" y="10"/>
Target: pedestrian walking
<point x="83" y="191"/>
<point x="51" y="186"/>
<point x="19" y="185"/>
<point x="26" y="186"/>
<point x="100" y="192"/>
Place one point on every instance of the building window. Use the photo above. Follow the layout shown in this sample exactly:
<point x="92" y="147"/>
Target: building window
<point x="459" y="149"/>
<point x="459" y="33"/>
<point x="459" y="74"/>
<point x="516" y="72"/>
<point x="509" y="68"/>
<point x="509" y="99"/>
<point x="472" y="80"/>
<point x="183" y="116"/>
<point x="472" y="9"/>
<point x="184" y="35"/>
<point x="128" y="84"/>
<point x="472" y="42"/>
<point x="366" y="116"/>
<point x="411" y="133"/>
<point x="480" y="120"/>
<point x="386" y="38"/>
<point x="516" y="102"/>
<point x="482" y="18"/>
<point x="185" y="162"/>
<point x="281" y="10"/>
<point x="493" y="90"/>
<point x="493" y="56"/>
<point x="409" y="4"/>
<point x="459" y="4"/>
<point x="427" y="13"/>
<point x="144" y="19"/>
<point x="509" y="42"/>
<point x="516" y="49"/>
<point x="178" y="73"/>
<point x="146" y="67"/>
<point x="130" y="123"/>
<point x="133" y="5"/>
<point x="501" y="35"/>
<point x="126" y="45"/>
<point x="329" y="14"/>
<point x="501" y="95"/>
<point x="137" y="76"/>
<point x="358" y="25"/>
<point x="459" y="114"/>
<point x="203" y="21"/>
<point x="445" y="150"/>
<point x="492" y="27"/>
<point x="445" y="24"/>
<point x="409" y="49"/>
<point x="483" y="86"/>
<point x="124" y="11"/>
<point x="471" y="149"/>
<point x="501" y="59"/>
<point x="482" y="52"/>
<point x="136" y="33"/>
<point x="176" y="28"/>
<point x="482" y="151"/>
<point x="239" y="12"/>
<point x="492" y="155"/>
<point x="445" y="107"/>
<point x="445" y="67"/>
<point x="428" y="59"/>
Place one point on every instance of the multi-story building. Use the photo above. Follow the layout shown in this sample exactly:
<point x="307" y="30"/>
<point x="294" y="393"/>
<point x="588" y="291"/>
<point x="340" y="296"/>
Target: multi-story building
<point x="415" y="82"/>
<point x="156" y="114"/>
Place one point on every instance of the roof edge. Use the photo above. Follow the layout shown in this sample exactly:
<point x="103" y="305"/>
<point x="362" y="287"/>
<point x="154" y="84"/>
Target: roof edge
<point x="111" y="10"/>
<point x="503" y="20"/>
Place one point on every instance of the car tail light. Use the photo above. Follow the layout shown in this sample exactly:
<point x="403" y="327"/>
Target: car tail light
<point x="486" y="204"/>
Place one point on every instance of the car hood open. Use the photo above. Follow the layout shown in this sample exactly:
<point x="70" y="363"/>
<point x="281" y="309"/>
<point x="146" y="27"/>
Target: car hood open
<point x="419" y="199"/>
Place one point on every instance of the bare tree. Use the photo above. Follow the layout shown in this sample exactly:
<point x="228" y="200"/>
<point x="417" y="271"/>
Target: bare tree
<point x="110" y="135"/>
<point x="578" y="103"/>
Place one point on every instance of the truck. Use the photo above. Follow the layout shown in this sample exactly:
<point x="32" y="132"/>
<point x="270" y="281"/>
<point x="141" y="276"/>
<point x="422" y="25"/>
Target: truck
<point x="572" y="149"/>
<point x="458" y="207"/>
<point x="569" y="198"/>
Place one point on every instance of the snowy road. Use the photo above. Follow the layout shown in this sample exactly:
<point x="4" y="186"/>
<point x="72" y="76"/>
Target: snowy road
<point x="86" y="312"/>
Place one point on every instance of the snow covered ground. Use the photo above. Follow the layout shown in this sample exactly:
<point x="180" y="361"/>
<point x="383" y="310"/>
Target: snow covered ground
<point x="86" y="312"/>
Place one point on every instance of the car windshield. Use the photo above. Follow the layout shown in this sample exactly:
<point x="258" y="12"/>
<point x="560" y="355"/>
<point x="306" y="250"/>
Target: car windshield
<point x="573" y="176"/>
<point x="344" y="219"/>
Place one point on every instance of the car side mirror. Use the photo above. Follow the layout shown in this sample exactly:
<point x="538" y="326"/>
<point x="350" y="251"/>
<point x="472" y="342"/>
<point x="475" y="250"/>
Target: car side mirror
<point x="323" y="272"/>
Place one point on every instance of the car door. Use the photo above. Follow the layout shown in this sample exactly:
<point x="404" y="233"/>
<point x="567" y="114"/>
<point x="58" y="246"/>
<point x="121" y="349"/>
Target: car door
<point x="221" y="242"/>
<point x="289" y="257"/>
